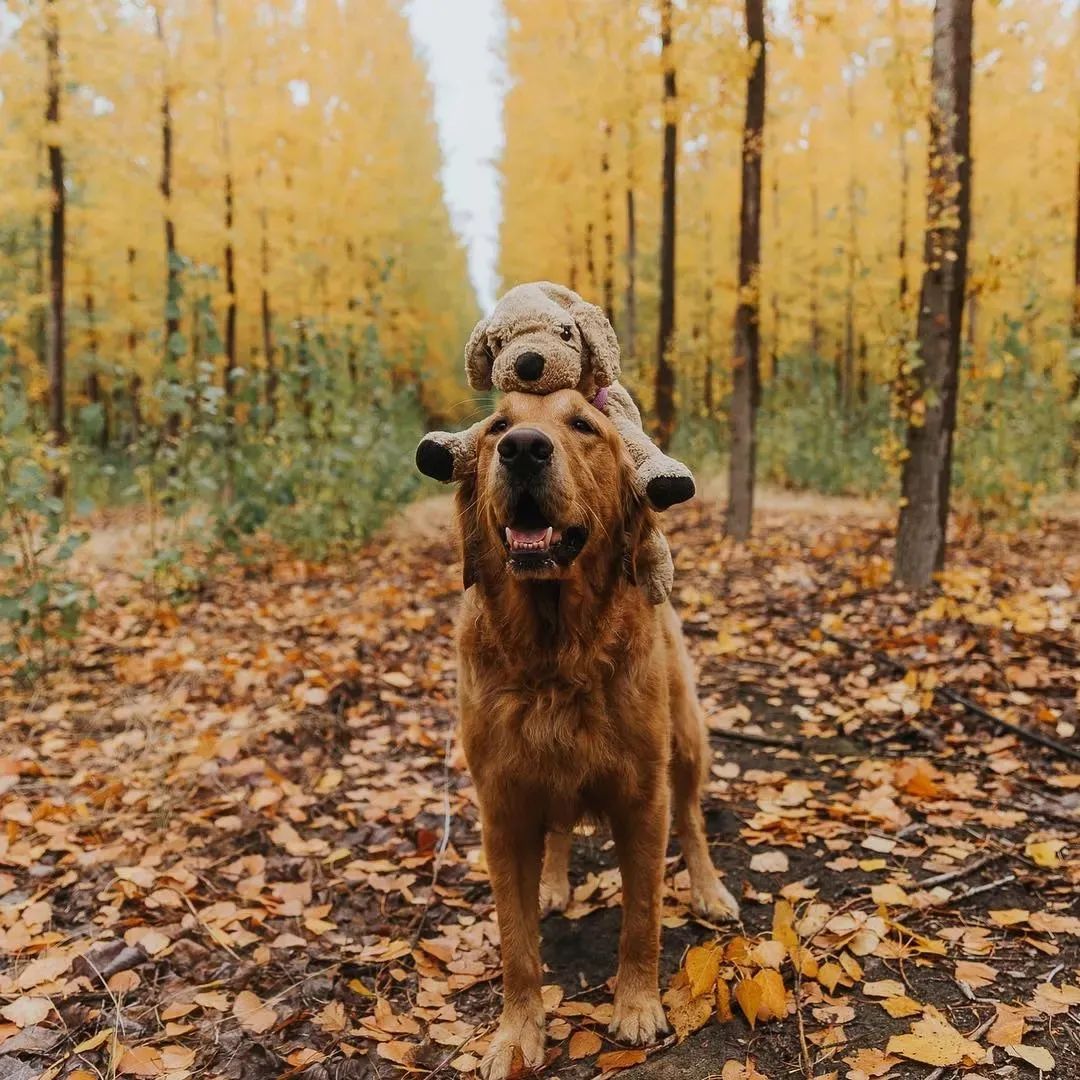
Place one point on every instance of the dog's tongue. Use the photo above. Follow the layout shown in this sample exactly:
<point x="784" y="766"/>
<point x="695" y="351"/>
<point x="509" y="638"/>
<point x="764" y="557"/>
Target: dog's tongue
<point x="527" y="536"/>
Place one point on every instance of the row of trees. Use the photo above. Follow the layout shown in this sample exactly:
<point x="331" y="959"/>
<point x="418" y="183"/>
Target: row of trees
<point x="673" y="195"/>
<point x="218" y="179"/>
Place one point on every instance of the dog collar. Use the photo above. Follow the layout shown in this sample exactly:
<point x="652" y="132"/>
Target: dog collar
<point x="600" y="399"/>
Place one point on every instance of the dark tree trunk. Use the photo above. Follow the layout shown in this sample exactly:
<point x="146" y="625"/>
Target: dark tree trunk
<point x="924" y="507"/>
<point x="631" y="269"/>
<point x="816" y="336"/>
<point x="267" y="319"/>
<point x="1072" y="453"/>
<point x="93" y="376"/>
<point x="745" y="386"/>
<point x="608" y="276"/>
<point x="230" y="255"/>
<point x="774" y="293"/>
<point x="590" y="261"/>
<point x="173" y="339"/>
<point x="135" y="382"/>
<point x="55" y="350"/>
<point x="665" y="372"/>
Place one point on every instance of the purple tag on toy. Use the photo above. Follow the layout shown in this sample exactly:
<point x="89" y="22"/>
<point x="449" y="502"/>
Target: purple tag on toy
<point x="600" y="401"/>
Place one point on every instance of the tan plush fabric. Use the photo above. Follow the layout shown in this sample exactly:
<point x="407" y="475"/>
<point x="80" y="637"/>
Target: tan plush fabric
<point x="543" y="337"/>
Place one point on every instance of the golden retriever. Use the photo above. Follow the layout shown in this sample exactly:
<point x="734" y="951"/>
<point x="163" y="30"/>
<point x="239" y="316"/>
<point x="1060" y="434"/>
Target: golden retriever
<point x="577" y="701"/>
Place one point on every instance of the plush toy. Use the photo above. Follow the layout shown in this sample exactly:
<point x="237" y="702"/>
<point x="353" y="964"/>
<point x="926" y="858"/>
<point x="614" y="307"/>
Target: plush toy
<point x="543" y="337"/>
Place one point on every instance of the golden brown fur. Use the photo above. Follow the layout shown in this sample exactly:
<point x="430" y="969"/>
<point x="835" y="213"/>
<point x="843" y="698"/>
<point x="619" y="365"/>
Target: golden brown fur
<point x="577" y="698"/>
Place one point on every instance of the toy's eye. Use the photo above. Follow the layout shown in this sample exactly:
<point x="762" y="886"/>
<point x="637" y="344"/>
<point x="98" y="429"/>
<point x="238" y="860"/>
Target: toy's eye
<point x="567" y="333"/>
<point x="498" y="425"/>
<point x="579" y="423"/>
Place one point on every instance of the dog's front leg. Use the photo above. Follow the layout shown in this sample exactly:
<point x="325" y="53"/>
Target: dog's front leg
<point x="640" y="834"/>
<point x="513" y="848"/>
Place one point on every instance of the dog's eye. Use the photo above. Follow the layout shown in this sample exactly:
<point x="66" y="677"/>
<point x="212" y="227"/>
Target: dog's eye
<point x="567" y="333"/>
<point x="498" y="426"/>
<point x="579" y="423"/>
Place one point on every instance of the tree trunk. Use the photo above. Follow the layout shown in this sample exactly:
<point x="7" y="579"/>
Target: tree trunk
<point x="847" y="374"/>
<point x="745" y="386"/>
<point x="1072" y="452"/>
<point x="55" y="350"/>
<point x="93" y="376"/>
<point x="174" y="346"/>
<point x="816" y="337"/>
<point x="266" y="316"/>
<point x="631" y="269"/>
<point x="230" y="256"/>
<point x="665" y="372"/>
<point x="924" y="506"/>
<point x="608" y="276"/>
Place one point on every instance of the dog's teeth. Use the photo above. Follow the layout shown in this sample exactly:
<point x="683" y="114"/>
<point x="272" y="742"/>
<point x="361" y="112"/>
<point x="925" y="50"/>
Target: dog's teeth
<point x="509" y="536"/>
<point x="547" y="537"/>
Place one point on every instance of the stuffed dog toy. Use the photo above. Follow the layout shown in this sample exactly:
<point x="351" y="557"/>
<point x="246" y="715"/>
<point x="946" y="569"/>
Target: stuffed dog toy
<point x="543" y="337"/>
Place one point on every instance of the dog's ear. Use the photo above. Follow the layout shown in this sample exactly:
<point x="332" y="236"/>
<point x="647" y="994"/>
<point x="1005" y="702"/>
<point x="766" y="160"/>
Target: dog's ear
<point x="600" y="341"/>
<point x="636" y="521"/>
<point x="469" y="528"/>
<point x="478" y="362"/>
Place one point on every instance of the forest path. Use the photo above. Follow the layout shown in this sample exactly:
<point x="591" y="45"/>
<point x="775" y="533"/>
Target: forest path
<point x="240" y="840"/>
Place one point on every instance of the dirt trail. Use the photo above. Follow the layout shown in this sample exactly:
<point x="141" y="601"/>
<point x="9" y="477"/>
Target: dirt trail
<point x="239" y="840"/>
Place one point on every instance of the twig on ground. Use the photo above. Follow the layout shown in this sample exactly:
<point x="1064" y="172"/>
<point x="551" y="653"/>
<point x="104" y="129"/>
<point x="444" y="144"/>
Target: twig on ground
<point x="962" y="872"/>
<point x="959" y="699"/>
<point x="979" y="889"/>
<point x="758" y="738"/>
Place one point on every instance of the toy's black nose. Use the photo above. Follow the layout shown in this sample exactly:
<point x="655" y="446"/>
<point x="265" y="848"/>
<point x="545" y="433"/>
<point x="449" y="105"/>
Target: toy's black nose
<point x="525" y="451"/>
<point x="529" y="366"/>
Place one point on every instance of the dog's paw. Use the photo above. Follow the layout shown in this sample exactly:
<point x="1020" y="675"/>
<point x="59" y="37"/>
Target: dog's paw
<point x="518" y="1046"/>
<point x="638" y="1017"/>
<point x="712" y="901"/>
<point x="554" y="896"/>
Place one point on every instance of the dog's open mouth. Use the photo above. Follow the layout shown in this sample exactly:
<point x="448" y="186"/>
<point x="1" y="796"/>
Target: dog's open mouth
<point x="533" y="542"/>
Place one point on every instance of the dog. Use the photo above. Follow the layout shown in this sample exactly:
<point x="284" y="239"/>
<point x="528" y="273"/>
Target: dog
<point x="577" y="702"/>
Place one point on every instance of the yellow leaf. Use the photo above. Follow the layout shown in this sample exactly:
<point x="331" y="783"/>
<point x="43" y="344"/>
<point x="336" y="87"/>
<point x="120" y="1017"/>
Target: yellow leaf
<point x="1037" y="1056"/>
<point x="748" y="994"/>
<point x="1008" y="1027"/>
<point x="901" y="1006"/>
<point x="934" y="1041"/>
<point x="702" y="968"/>
<point x="252" y="1014"/>
<point x="27" y="1011"/>
<point x="723" y="1001"/>
<point x="773" y="995"/>
<point x="584" y="1044"/>
<point x="1045" y="853"/>
<point x="96" y="1040"/>
<point x="620" y="1059"/>
<point x="691" y="1016"/>
<point x="140" y="1061"/>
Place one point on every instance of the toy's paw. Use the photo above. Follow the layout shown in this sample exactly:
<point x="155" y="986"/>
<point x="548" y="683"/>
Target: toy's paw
<point x="638" y="1017"/>
<point x="518" y="1046"/>
<point x="665" y="491"/>
<point x="713" y="902"/>
<point x="657" y="589"/>
<point x="435" y="460"/>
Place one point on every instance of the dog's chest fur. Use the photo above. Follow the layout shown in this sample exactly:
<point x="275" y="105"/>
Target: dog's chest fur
<point x="566" y="741"/>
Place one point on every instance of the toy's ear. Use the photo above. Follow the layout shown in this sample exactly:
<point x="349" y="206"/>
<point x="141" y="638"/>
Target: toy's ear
<point x="478" y="361"/>
<point x="600" y="340"/>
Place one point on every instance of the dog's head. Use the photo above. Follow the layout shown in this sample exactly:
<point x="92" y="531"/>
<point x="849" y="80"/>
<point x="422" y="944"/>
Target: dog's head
<point x="553" y="497"/>
<point x="543" y="337"/>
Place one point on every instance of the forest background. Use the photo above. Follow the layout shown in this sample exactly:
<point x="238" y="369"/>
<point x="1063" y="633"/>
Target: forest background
<point x="232" y="297"/>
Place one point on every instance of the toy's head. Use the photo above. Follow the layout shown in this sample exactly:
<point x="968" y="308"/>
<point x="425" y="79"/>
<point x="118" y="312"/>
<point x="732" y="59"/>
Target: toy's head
<point x="543" y="337"/>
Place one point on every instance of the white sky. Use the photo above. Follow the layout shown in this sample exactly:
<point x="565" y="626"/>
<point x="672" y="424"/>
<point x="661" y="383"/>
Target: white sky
<point x="458" y="39"/>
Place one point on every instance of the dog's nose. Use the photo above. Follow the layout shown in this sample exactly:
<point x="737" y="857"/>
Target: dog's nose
<point x="525" y="451"/>
<point x="529" y="366"/>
